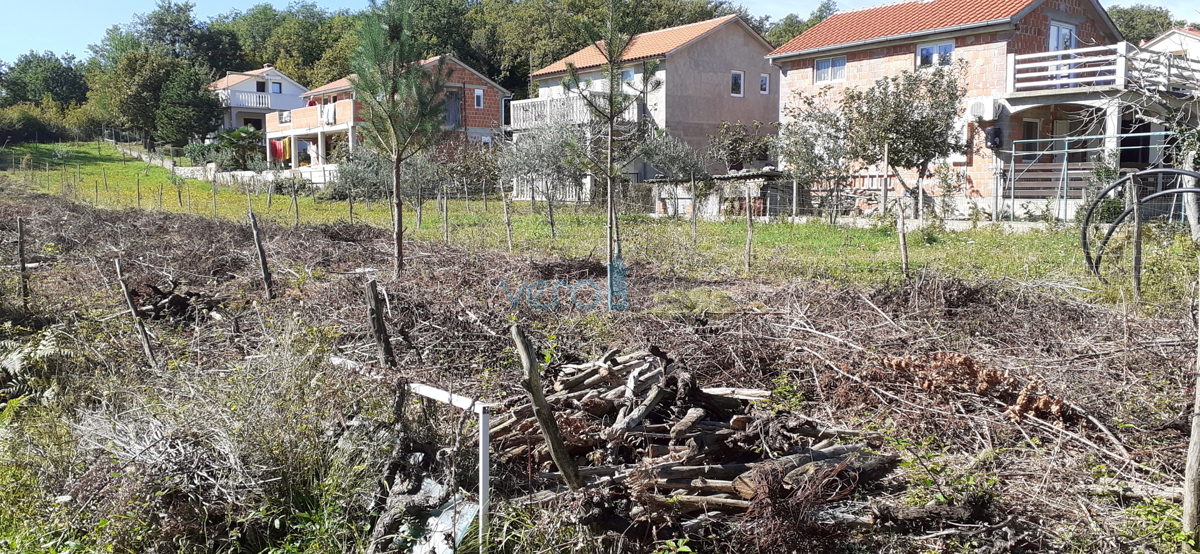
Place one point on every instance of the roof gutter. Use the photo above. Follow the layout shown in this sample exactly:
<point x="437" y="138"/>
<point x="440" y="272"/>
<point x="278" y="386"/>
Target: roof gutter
<point x="889" y="38"/>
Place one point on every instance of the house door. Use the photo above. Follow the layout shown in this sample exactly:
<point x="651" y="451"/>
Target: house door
<point x="453" y="108"/>
<point x="1062" y="128"/>
<point x="1062" y="37"/>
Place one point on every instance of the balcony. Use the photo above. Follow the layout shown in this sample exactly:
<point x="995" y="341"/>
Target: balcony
<point x="1120" y="66"/>
<point x="312" y="118"/>
<point x="527" y="114"/>
<point x="240" y="99"/>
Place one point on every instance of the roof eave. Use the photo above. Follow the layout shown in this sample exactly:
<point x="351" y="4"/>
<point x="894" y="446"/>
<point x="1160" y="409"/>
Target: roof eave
<point x="1007" y="21"/>
<point x="590" y="67"/>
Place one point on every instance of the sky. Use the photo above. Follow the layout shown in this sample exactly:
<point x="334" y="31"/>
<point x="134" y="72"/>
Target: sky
<point x="71" y="25"/>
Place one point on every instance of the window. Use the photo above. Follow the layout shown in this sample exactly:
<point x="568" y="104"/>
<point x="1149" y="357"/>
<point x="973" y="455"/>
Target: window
<point x="935" y="54"/>
<point x="764" y="84"/>
<point x="626" y="75"/>
<point x="276" y="88"/>
<point x="479" y="99"/>
<point x="830" y="69"/>
<point x="737" y="83"/>
<point x="334" y="99"/>
<point x="260" y="86"/>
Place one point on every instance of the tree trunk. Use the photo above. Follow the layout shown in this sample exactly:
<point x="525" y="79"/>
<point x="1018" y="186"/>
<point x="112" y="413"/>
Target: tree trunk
<point x="695" y="209"/>
<point x="550" y="214"/>
<point x="507" y="217"/>
<point x="397" y="219"/>
<point x="749" y="231"/>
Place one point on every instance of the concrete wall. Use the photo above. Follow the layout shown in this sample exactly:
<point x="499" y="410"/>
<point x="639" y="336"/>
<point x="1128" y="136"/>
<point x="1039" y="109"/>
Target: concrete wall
<point x="697" y="92"/>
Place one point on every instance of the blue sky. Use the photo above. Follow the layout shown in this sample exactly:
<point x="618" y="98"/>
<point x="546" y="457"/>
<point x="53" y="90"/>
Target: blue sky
<point x="71" y="25"/>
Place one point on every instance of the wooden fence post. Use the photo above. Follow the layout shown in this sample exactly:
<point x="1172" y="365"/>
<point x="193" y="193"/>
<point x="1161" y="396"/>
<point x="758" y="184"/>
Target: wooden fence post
<point x="1191" y="474"/>
<point x="262" y="257"/>
<point x="138" y="327"/>
<point x="24" y="277"/>
<point x="541" y="410"/>
<point x="387" y="357"/>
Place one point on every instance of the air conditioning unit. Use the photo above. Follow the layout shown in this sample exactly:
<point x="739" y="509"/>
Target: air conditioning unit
<point x="983" y="108"/>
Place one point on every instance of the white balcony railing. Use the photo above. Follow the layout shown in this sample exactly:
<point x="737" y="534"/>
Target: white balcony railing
<point x="1120" y="65"/>
<point x="527" y="114"/>
<point x="240" y="99"/>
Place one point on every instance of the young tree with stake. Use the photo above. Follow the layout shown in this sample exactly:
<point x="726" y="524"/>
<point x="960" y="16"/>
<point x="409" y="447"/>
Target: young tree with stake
<point x="403" y="108"/>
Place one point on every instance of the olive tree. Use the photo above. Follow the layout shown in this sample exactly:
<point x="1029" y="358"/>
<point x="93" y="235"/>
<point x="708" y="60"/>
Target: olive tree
<point x="678" y="161"/>
<point x="917" y="114"/>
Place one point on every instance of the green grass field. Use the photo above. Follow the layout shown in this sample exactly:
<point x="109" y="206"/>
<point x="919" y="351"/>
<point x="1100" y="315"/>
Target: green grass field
<point x="782" y="251"/>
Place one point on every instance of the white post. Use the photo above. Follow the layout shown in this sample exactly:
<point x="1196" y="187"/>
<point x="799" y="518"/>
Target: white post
<point x="320" y="157"/>
<point x="295" y="153"/>
<point x="1010" y="73"/>
<point x="484" y="474"/>
<point x="1122" y="64"/>
<point x="1112" y="129"/>
<point x="470" y="404"/>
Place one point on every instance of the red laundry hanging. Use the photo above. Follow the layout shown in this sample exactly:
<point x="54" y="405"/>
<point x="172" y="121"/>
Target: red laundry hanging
<point x="277" y="150"/>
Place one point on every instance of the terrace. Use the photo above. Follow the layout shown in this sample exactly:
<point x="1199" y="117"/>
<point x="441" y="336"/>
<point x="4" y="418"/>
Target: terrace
<point x="527" y="114"/>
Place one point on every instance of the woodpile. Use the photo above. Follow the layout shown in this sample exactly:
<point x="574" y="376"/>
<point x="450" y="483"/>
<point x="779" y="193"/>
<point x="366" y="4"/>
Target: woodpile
<point x="639" y="424"/>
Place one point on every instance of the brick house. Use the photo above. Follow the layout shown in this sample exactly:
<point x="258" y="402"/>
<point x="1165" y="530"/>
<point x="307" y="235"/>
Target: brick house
<point x="330" y="120"/>
<point x="1054" y="118"/>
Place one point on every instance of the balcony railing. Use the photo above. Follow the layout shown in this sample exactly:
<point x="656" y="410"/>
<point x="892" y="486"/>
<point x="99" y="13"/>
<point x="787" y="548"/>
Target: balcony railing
<point x="240" y="99"/>
<point x="527" y="114"/>
<point x="1121" y="65"/>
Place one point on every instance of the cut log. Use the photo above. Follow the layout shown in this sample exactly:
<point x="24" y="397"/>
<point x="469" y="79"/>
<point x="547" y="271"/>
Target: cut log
<point x="689" y="503"/>
<point x="720" y="471"/>
<point x="693" y="415"/>
<point x="698" y="485"/>
<point x="636" y="415"/>
<point x="747" y="483"/>
<point x="739" y="394"/>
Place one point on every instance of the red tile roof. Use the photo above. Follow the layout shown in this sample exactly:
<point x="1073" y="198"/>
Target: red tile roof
<point x="345" y="84"/>
<point x="340" y="84"/>
<point x="900" y="18"/>
<point x="1190" y="31"/>
<point x="235" y="78"/>
<point x="644" y="46"/>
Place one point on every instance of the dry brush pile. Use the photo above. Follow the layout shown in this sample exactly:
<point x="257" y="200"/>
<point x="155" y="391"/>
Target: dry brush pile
<point x="1008" y="416"/>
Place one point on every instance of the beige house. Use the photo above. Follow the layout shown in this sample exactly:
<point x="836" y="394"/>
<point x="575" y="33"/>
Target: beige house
<point x="711" y="71"/>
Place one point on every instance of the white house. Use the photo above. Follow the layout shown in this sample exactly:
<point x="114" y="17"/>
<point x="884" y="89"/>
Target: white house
<point x="249" y="96"/>
<point x="1183" y="42"/>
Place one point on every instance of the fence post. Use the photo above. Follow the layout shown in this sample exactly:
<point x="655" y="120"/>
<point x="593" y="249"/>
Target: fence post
<point x="262" y="256"/>
<point x="387" y="357"/>
<point x="542" y="412"/>
<point x="138" y="327"/>
<point x="1191" y="472"/>
<point x="24" y="277"/>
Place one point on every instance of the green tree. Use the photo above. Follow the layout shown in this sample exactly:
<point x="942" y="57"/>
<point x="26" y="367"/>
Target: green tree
<point x="792" y="25"/>
<point x="173" y="27"/>
<point x="918" y="114"/>
<point x="140" y="77"/>
<point x="35" y="76"/>
<point x="187" y="110"/>
<point x="1140" y="22"/>
<point x="812" y="149"/>
<point x="678" y="161"/>
<point x="611" y="39"/>
<point x="403" y="109"/>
